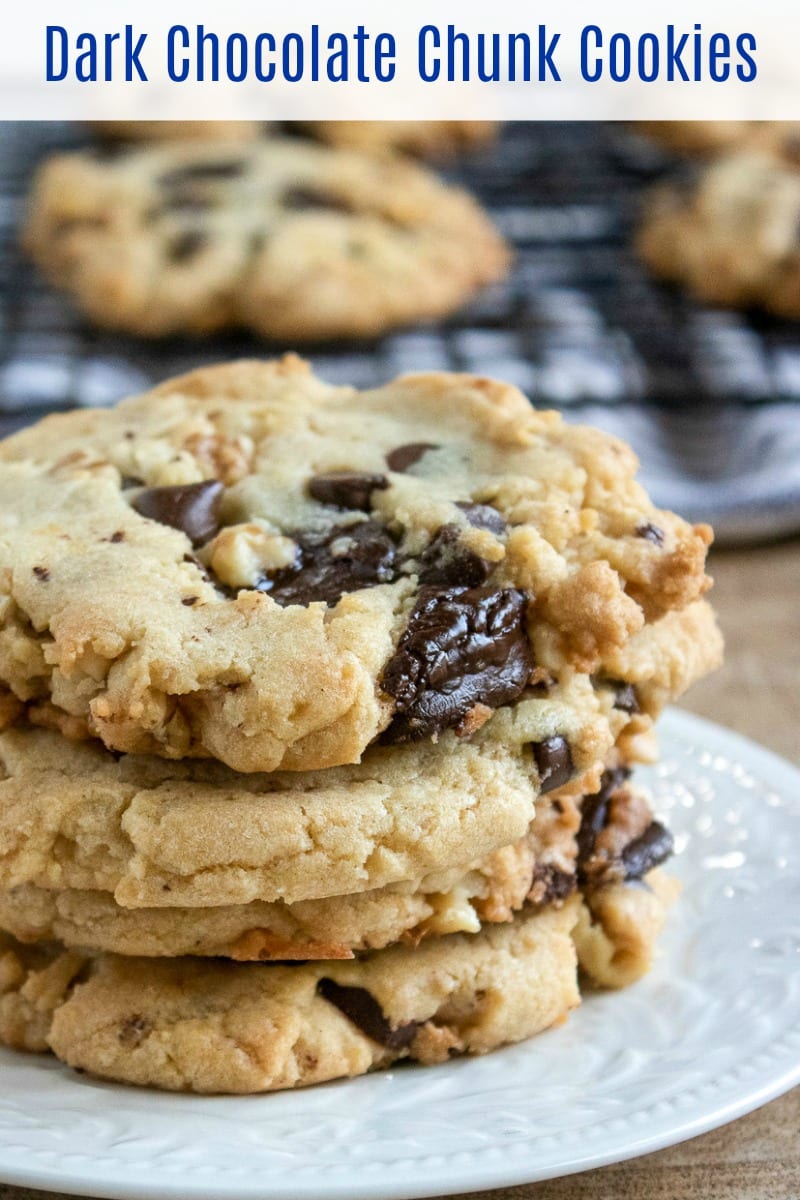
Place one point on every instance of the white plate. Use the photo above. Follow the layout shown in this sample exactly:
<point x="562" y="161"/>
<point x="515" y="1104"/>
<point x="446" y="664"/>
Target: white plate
<point x="712" y="1033"/>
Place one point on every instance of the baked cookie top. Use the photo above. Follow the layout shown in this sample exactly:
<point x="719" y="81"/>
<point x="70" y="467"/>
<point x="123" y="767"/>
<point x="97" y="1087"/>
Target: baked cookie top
<point x="250" y="564"/>
<point x="729" y="232"/>
<point x="285" y="237"/>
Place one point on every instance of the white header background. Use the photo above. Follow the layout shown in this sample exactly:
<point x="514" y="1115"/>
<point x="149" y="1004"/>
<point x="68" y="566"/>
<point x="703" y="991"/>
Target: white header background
<point x="25" y="93"/>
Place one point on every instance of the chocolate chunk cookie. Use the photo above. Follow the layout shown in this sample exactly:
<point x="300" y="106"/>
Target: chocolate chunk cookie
<point x="285" y="237"/>
<point x="211" y="1026"/>
<point x="250" y="564"/>
<point x="336" y="927"/>
<point x="546" y="866"/>
<point x="457" y="899"/>
<point x="731" y="234"/>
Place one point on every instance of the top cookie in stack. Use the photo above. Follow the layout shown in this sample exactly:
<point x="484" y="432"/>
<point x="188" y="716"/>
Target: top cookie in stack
<point x="249" y="564"/>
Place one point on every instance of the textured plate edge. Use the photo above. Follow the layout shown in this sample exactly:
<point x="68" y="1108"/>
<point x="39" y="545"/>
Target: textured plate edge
<point x="445" y="1180"/>
<point x="451" y="1186"/>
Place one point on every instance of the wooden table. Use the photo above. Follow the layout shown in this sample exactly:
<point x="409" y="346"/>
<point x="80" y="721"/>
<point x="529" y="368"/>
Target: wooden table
<point x="757" y="692"/>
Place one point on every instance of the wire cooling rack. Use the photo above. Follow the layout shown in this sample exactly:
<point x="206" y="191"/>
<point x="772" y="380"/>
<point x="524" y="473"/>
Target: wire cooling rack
<point x="710" y="399"/>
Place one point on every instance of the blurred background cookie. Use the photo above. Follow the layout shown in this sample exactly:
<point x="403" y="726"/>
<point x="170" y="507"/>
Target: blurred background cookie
<point x="290" y="239"/>
<point x="730" y="232"/>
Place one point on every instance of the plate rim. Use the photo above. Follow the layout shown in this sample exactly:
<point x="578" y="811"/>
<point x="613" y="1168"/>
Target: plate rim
<point x="445" y="1179"/>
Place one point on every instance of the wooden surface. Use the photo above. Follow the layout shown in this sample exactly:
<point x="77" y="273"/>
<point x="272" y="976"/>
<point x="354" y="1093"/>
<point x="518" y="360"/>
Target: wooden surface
<point x="757" y="692"/>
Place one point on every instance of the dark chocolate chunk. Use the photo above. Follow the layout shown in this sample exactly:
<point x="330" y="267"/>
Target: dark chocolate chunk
<point x="346" y="489"/>
<point x="117" y="537"/>
<point x="133" y="1031"/>
<point x="553" y="762"/>
<point x="483" y="516"/>
<point x="340" y="560"/>
<point x="192" y="508"/>
<point x="186" y="245"/>
<point x="639" y="856"/>
<point x="625" y="698"/>
<point x="462" y="647"/>
<point x="594" y="812"/>
<point x="651" y="533"/>
<point x="448" y="563"/>
<point x="558" y="884"/>
<point x="306" y="198"/>
<point x="403" y="457"/>
<point x="106" y="151"/>
<point x="647" y="851"/>
<point x="360" y="1007"/>
<point x="190" y="600"/>
<point x="42" y="574"/>
<point x="203" y="172"/>
<point x="186" y="202"/>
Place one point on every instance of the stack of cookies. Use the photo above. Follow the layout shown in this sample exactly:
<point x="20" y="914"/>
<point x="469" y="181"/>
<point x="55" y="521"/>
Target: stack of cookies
<point x="320" y="710"/>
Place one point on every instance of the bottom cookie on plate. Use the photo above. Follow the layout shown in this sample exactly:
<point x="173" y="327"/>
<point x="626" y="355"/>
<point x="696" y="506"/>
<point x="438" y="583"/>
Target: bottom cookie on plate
<point x="216" y="1026"/>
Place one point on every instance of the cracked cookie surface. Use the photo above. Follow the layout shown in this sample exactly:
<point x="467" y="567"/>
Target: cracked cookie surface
<point x="618" y="843"/>
<point x="249" y="564"/>
<point x="284" y="237"/>
<point x="162" y="834"/>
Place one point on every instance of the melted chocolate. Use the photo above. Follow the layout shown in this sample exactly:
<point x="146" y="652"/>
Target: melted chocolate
<point x="558" y="884"/>
<point x="330" y="564"/>
<point x="193" y="508"/>
<point x="346" y="489"/>
<point x="360" y="1007"/>
<point x="447" y="563"/>
<point x="654" y="846"/>
<point x="594" y="812"/>
<point x="462" y="647"/>
<point x="403" y="457"/>
<point x="553" y="762"/>
<point x="639" y="856"/>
